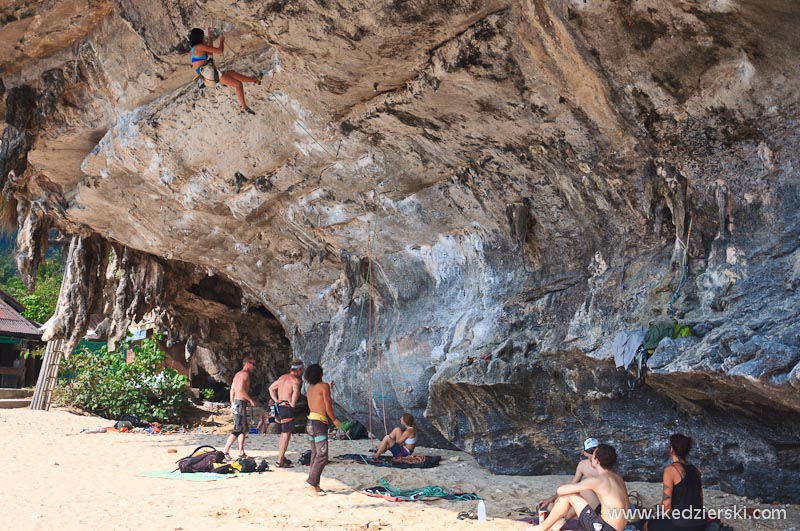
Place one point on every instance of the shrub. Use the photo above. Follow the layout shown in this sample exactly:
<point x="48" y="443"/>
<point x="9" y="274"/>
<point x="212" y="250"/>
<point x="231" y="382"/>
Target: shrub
<point x="102" y="383"/>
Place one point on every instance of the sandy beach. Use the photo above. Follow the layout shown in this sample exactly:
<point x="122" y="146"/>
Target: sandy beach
<point x="57" y="478"/>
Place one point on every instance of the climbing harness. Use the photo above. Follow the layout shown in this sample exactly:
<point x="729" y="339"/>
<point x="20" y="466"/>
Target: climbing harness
<point x="209" y="73"/>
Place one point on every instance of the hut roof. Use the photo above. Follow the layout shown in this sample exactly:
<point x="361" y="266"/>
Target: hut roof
<point x="12" y="324"/>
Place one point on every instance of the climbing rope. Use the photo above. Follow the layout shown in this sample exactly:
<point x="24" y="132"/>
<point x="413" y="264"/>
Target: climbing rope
<point x="357" y="340"/>
<point x="368" y="289"/>
<point x="374" y="331"/>
<point x="370" y="392"/>
<point x="216" y="35"/>
<point x="374" y="335"/>
<point x="274" y="96"/>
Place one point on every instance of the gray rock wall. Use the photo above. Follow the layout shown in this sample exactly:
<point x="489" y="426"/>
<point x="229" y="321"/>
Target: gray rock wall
<point x="454" y="207"/>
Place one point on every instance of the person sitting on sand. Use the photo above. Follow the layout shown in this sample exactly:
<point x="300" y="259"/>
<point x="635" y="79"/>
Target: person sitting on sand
<point x="609" y="488"/>
<point x="583" y="470"/>
<point x="203" y="48"/>
<point x="401" y="441"/>
<point x="683" y="491"/>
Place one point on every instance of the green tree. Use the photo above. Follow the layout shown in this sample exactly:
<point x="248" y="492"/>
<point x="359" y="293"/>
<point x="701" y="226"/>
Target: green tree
<point x="104" y="384"/>
<point x="41" y="304"/>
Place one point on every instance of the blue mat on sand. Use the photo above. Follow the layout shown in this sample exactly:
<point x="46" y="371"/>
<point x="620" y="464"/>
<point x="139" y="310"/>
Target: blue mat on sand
<point x="430" y="461"/>
<point x="196" y="476"/>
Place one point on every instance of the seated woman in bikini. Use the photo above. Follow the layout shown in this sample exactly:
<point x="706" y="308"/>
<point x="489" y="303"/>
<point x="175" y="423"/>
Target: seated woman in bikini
<point x="402" y="440"/>
<point x="203" y="47"/>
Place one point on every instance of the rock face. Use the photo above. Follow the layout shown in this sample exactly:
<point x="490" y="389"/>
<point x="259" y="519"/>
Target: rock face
<point x="453" y="206"/>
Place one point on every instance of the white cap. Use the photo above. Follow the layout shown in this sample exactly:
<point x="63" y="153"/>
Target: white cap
<point x="590" y="444"/>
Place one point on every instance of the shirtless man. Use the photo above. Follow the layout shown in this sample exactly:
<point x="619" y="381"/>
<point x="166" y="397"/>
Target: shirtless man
<point x="284" y="392"/>
<point x="609" y="488"/>
<point x="582" y="471"/>
<point x="319" y="402"/>
<point x="239" y="396"/>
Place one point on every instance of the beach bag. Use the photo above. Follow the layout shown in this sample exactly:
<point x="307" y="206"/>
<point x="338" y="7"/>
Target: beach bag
<point x="130" y="421"/>
<point x="199" y="461"/>
<point x="209" y="73"/>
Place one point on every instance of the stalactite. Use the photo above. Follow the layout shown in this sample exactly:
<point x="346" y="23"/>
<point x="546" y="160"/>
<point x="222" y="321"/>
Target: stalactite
<point x="138" y="288"/>
<point x="81" y="290"/>
<point x="665" y="187"/>
<point x="32" y="238"/>
<point x="518" y="218"/>
<point x="16" y="141"/>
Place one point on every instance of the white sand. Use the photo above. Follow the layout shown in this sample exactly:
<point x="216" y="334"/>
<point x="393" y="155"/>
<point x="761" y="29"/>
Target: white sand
<point x="56" y="478"/>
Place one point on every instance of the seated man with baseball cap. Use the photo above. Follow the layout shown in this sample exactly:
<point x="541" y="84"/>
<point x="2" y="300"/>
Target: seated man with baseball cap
<point x="606" y="485"/>
<point x="582" y="471"/>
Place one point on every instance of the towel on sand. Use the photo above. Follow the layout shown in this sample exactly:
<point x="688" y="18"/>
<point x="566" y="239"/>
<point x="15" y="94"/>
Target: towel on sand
<point x="195" y="476"/>
<point x="411" y="461"/>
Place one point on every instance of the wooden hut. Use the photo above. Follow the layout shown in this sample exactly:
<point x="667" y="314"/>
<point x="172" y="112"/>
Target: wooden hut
<point x="17" y="335"/>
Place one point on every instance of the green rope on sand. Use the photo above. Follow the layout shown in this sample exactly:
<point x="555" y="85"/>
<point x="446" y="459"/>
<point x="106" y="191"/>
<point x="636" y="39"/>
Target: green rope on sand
<point x="431" y="491"/>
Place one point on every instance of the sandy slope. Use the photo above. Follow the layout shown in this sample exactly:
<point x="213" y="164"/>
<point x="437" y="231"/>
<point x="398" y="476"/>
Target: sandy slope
<point x="56" y="478"/>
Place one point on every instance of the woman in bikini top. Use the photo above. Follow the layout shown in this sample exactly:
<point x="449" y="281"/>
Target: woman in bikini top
<point x="401" y="441"/>
<point x="205" y="45"/>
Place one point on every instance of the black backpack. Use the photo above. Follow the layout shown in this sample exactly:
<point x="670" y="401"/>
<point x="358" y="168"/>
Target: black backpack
<point x="202" y="461"/>
<point x="305" y="459"/>
<point x="245" y="464"/>
<point x="242" y="464"/>
<point x="357" y="431"/>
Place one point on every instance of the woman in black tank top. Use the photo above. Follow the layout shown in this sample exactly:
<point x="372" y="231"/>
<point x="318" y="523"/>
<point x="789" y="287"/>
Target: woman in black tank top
<point x="682" y="500"/>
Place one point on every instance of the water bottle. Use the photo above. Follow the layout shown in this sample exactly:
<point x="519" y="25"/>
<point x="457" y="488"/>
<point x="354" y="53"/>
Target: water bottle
<point x="481" y="511"/>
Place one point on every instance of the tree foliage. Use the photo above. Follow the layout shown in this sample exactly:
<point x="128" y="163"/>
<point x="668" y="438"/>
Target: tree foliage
<point x="104" y="384"/>
<point x="41" y="304"/>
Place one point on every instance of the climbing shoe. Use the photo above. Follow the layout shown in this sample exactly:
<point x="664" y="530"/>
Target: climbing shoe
<point x="248" y="110"/>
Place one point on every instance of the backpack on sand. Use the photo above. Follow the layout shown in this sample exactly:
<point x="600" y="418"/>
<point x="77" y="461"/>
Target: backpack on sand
<point x="305" y="459"/>
<point x="357" y="431"/>
<point x="199" y="461"/>
<point x="240" y="465"/>
<point x="244" y="464"/>
<point x="352" y="430"/>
